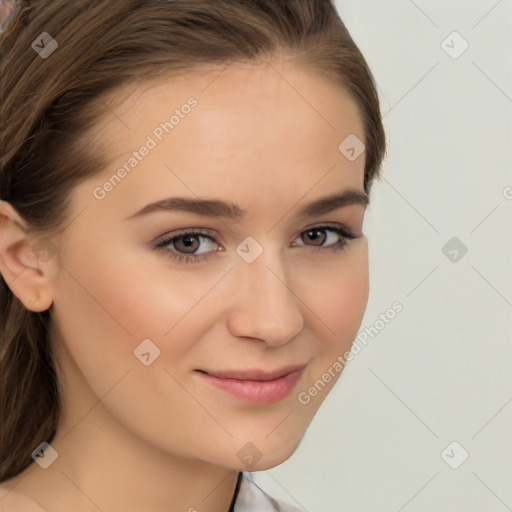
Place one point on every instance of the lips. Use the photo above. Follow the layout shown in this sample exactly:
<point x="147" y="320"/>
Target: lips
<point x="254" y="386"/>
<point x="255" y="374"/>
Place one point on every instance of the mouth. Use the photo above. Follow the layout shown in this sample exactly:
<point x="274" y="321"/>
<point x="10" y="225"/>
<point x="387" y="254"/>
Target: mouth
<point x="255" y="386"/>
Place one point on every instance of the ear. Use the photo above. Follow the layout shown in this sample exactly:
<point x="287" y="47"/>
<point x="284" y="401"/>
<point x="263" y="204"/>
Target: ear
<point x="25" y="260"/>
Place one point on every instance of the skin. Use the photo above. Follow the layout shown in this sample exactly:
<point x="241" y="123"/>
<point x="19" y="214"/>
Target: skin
<point x="159" y="438"/>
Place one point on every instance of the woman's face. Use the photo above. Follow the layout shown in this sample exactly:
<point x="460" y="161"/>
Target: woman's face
<point x="263" y="293"/>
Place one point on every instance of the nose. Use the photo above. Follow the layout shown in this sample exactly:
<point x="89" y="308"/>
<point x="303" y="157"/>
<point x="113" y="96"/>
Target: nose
<point x="263" y="303"/>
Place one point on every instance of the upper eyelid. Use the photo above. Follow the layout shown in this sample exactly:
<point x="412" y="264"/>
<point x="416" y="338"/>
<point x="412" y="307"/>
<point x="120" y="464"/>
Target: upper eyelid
<point x="213" y="233"/>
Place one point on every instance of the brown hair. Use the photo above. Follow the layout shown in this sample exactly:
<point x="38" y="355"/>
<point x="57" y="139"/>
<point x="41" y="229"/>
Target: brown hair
<point x="48" y="104"/>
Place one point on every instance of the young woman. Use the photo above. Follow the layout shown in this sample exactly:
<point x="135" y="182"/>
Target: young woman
<point x="183" y="189"/>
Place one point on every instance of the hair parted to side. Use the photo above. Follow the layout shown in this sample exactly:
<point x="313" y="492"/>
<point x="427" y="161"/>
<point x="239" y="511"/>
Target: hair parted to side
<point x="48" y="105"/>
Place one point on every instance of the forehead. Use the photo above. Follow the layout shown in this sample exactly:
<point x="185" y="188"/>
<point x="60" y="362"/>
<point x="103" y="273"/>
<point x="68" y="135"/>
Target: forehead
<point x="251" y="126"/>
<point x="232" y="100"/>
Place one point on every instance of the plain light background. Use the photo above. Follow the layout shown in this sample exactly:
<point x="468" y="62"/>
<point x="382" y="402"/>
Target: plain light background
<point x="440" y="371"/>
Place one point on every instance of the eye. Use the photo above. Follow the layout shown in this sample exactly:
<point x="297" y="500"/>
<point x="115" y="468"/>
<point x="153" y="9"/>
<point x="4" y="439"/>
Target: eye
<point x="186" y="240"/>
<point x="315" y="234"/>
<point x="182" y="245"/>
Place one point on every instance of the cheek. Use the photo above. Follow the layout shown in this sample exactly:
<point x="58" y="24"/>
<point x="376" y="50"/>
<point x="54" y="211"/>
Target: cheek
<point x="340" y="302"/>
<point x="104" y="308"/>
<point x="125" y="293"/>
<point x="339" y="298"/>
<point x="107" y="304"/>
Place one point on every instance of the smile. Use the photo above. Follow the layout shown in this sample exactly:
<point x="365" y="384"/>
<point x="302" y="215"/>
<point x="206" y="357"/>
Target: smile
<point x="255" y="386"/>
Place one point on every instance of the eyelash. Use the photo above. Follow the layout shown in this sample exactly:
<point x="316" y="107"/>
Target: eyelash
<point x="162" y="242"/>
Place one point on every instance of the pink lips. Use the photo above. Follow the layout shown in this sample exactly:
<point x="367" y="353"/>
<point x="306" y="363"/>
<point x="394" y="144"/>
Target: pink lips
<point x="256" y="386"/>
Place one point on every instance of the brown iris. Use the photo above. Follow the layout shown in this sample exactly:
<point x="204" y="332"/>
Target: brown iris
<point x="190" y="242"/>
<point x="314" y="237"/>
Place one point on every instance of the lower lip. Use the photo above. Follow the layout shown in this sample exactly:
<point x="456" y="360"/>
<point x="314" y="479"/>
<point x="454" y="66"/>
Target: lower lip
<point x="257" y="391"/>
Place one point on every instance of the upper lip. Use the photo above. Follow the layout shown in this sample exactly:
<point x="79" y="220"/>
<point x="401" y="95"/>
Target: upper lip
<point x="254" y="374"/>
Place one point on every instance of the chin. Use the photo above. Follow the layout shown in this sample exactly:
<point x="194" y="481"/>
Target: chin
<point x="271" y="455"/>
<point x="267" y="463"/>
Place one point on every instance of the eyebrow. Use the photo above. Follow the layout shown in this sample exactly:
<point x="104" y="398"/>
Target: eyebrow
<point x="229" y="210"/>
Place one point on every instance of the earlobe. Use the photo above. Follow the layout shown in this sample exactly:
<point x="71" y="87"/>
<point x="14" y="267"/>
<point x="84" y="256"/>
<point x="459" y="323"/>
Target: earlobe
<point x="22" y="260"/>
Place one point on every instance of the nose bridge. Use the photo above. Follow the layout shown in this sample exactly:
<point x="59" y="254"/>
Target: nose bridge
<point x="264" y="305"/>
